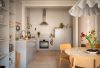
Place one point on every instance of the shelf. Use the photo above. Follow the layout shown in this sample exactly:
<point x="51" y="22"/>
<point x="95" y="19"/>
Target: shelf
<point x="2" y="55"/>
<point x="11" y="53"/>
<point x="3" y="9"/>
<point x="11" y="13"/>
<point x="2" y="40"/>
<point x="2" y="24"/>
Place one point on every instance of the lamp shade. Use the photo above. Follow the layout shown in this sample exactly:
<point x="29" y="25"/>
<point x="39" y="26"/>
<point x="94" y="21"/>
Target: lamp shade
<point x="85" y="7"/>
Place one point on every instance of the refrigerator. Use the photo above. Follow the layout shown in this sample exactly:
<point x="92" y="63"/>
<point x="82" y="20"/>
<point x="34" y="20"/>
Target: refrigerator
<point x="62" y="35"/>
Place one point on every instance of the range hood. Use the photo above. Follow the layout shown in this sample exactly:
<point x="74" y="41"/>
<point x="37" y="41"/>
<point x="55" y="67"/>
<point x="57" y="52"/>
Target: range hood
<point x="44" y="18"/>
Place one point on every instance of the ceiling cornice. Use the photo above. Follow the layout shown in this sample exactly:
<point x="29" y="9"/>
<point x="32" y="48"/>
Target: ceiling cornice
<point x="48" y="2"/>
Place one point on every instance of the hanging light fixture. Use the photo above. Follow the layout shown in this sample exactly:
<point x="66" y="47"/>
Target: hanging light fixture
<point x="85" y="7"/>
<point x="44" y="18"/>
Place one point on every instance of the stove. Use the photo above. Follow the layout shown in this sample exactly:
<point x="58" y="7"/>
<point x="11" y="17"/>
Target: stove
<point x="43" y="43"/>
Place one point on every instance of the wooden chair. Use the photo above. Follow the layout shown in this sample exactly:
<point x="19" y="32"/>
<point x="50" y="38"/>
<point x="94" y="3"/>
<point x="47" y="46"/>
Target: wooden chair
<point x="17" y="60"/>
<point x="97" y="62"/>
<point x="83" y="62"/>
<point x="63" y="56"/>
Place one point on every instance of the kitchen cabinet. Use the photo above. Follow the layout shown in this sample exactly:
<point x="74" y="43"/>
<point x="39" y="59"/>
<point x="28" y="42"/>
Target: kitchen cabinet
<point x="4" y="33"/>
<point x="27" y="49"/>
<point x="31" y="49"/>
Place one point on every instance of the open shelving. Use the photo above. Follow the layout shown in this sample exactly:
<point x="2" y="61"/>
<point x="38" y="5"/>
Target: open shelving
<point x="1" y="40"/>
<point x="1" y="24"/>
<point x="4" y="34"/>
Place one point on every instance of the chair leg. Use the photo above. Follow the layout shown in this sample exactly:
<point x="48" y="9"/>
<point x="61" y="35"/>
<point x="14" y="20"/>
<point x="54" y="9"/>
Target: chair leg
<point x="60" y="61"/>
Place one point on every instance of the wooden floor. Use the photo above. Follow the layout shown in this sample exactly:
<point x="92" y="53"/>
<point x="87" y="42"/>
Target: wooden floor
<point x="47" y="59"/>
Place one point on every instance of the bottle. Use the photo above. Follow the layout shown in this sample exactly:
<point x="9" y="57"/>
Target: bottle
<point x="29" y="35"/>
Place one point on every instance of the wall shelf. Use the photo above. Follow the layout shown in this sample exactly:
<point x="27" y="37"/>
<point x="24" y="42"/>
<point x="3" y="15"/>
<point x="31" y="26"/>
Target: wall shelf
<point x="2" y="56"/>
<point x="2" y="24"/>
<point x="3" y="9"/>
<point x="2" y="40"/>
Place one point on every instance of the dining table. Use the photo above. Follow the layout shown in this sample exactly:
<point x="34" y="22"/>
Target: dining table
<point x="80" y="51"/>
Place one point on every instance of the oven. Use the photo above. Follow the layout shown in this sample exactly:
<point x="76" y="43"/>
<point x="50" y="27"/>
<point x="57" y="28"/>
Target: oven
<point x="43" y="44"/>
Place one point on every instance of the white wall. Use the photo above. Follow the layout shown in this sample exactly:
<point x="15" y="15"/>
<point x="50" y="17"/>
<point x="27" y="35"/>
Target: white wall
<point x="98" y="25"/>
<point x="18" y="10"/>
<point x="18" y="16"/>
<point x="54" y="17"/>
<point x="86" y="24"/>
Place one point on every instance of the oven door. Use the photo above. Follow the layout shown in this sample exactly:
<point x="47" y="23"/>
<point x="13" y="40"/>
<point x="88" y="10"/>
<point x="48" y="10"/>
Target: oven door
<point x="43" y="44"/>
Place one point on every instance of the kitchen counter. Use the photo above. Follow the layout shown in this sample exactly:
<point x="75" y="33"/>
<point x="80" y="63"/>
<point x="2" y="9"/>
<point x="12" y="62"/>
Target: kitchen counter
<point x="27" y="49"/>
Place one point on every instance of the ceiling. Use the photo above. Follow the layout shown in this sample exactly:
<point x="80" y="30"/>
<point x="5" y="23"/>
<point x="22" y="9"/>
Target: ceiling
<point x="49" y="0"/>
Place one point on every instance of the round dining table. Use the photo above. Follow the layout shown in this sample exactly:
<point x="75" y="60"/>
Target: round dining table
<point x="80" y="52"/>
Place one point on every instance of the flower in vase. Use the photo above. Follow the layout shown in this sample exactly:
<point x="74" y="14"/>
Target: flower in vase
<point x="90" y="37"/>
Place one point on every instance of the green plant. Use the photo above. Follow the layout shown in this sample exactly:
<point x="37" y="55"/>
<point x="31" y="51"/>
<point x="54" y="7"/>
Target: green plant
<point x="90" y="37"/>
<point x="38" y="33"/>
<point x="61" y="25"/>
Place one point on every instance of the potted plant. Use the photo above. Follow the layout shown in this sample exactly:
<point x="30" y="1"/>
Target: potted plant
<point x="61" y="25"/>
<point x="91" y="38"/>
<point x="38" y="33"/>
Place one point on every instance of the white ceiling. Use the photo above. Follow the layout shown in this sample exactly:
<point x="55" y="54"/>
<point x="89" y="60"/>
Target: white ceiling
<point x="49" y="0"/>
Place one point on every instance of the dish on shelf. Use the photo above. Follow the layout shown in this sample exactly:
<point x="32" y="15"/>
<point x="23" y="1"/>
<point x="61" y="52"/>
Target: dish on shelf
<point x="3" y="9"/>
<point x="2" y="24"/>
<point x="1" y="39"/>
<point x="2" y="55"/>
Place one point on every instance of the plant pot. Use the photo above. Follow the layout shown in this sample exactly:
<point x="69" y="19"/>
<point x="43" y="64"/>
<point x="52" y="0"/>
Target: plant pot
<point x="92" y="51"/>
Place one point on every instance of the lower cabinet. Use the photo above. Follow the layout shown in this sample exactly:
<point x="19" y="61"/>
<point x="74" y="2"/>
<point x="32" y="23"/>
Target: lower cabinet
<point x="31" y="50"/>
<point x="27" y="49"/>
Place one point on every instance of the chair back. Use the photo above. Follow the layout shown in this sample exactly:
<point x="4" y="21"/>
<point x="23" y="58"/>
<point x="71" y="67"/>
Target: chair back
<point x="64" y="56"/>
<point x="65" y="46"/>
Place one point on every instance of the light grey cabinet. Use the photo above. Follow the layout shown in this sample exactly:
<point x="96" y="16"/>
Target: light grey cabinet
<point x="31" y="49"/>
<point x="27" y="49"/>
